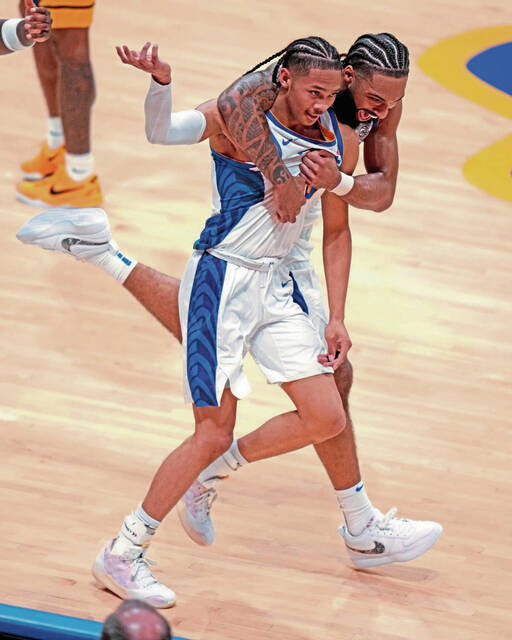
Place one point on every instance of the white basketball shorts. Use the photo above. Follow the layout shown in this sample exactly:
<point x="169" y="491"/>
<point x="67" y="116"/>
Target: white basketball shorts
<point x="227" y="310"/>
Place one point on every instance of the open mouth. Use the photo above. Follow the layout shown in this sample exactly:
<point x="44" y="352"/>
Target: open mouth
<point x="312" y="116"/>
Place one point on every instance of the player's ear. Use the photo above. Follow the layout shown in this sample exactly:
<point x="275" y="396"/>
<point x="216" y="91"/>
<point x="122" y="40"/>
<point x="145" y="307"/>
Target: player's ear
<point x="285" y="77"/>
<point x="348" y="75"/>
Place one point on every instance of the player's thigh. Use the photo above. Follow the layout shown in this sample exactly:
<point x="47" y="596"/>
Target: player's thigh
<point x="288" y="348"/>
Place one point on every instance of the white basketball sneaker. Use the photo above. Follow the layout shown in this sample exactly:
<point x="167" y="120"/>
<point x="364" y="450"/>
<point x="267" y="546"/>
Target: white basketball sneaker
<point x="128" y="576"/>
<point x="387" y="539"/>
<point x="194" y="513"/>
<point x="82" y="233"/>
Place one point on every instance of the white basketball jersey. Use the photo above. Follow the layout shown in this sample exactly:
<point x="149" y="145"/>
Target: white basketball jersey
<point x="244" y="224"/>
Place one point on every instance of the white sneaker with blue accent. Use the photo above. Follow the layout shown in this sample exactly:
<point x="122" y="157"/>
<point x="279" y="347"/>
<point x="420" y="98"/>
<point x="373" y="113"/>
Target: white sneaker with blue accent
<point x="194" y="513"/>
<point x="387" y="539"/>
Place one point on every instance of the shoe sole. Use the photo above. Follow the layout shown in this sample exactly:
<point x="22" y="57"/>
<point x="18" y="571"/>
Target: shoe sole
<point x="32" y="177"/>
<point x="104" y="580"/>
<point x="414" y="551"/>
<point x="189" y="529"/>
<point x="41" y="204"/>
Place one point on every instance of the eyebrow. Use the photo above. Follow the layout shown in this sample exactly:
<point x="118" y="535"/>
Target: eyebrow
<point x="317" y="86"/>
<point x="376" y="95"/>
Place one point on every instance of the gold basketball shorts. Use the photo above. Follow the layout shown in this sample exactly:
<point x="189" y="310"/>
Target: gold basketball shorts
<point x="70" y="14"/>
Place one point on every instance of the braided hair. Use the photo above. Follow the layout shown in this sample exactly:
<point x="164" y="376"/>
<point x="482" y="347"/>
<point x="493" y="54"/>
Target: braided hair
<point x="378" y="53"/>
<point x="303" y="54"/>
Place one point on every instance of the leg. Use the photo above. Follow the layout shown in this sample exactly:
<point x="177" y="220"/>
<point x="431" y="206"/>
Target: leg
<point x="338" y="454"/>
<point x="121" y="565"/>
<point x="319" y="416"/>
<point x="158" y="293"/>
<point x="47" y="69"/>
<point x="213" y="435"/>
<point x="76" y="87"/>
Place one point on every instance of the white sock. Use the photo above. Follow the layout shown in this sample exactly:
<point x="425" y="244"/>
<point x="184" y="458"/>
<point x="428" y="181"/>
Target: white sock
<point x="356" y="506"/>
<point x="79" y="166"/>
<point x="221" y="468"/>
<point x="134" y="531"/>
<point x="54" y="133"/>
<point x="114" y="263"/>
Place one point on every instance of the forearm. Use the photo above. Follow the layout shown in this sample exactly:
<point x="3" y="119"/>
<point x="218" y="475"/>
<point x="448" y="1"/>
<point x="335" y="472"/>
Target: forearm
<point x="337" y="255"/>
<point x="242" y="107"/>
<point x="372" y="191"/>
<point x="164" y="127"/>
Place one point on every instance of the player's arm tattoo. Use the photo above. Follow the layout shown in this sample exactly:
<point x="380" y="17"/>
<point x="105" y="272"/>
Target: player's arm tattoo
<point x="242" y="107"/>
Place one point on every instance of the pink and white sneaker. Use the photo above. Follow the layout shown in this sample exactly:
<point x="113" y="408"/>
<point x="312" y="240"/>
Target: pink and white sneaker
<point x="128" y="576"/>
<point x="194" y="513"/>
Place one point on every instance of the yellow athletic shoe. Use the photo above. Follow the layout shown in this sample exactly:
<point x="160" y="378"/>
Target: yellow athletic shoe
<point x="59" y="190"/>
<point x="44" y="164"/>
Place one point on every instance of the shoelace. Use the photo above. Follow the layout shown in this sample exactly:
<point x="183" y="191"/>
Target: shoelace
<point x="141" y="568"/>
<point x="400" y="526"/>
<point x="202" y="503"/>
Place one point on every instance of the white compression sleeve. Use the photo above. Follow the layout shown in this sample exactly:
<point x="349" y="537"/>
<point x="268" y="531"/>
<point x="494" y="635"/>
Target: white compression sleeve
<point x="165" y="127"/>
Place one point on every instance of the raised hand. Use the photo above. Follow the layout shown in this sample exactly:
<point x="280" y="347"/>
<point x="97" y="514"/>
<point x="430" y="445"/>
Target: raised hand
<point x="37" y="23"/>
<point x="146" y="61"/>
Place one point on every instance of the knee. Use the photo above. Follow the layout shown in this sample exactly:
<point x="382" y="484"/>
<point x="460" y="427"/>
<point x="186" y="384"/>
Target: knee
<point x="212" y="439"/>
<point x="328" y="420"/>
<point x="72" y="47"/>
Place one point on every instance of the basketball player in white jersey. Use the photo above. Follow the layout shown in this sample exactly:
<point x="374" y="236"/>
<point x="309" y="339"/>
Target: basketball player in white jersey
<point x="17" y="34"/>
<point x="419" y="530"/>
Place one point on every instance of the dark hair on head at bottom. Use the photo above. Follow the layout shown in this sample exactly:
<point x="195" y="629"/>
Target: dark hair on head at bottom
<point x="302" y="55"/>
<point x="113" y="628"/>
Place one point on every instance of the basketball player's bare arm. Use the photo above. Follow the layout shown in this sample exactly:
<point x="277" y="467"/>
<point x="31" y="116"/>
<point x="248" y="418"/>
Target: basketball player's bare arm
<point x="35" y="27"/>
<point x="375" y="190"/>
<point x="337" y="253"/>
<point x="242" y="107"/>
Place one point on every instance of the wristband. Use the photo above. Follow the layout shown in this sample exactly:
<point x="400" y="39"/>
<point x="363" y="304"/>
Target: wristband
<point x="344" y="186"/>
<point x="10" y="35"/>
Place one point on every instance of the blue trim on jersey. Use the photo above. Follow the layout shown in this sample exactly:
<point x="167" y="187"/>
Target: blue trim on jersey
<point x="323" y="143"/>
<point x="240" y="187"/>
<point x="337" y="133"/>
<point x="276" y="142"/>
<point x="202" y="330"/>
<point x="297" y="296"/>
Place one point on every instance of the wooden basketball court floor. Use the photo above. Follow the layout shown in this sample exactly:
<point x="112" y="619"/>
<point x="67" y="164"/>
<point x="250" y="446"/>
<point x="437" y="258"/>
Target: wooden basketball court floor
<point x="90" y="397"/>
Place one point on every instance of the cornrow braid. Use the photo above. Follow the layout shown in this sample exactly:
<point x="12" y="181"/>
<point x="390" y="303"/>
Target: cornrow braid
<point x="303" y="54"/>
<point x="378" y="53"/>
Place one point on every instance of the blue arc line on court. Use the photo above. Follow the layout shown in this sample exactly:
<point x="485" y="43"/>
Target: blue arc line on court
<point x="42" y="625"/>
<point x="493" y="66"/>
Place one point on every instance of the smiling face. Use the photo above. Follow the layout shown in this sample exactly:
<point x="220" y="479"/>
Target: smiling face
<point x="374" y="95"/>
<point x="305" y="96"/>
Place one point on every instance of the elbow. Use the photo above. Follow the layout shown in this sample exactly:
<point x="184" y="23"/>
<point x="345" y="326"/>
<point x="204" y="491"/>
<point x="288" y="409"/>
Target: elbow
<point x="383" y="204"/>
<point x="151" y="137"/>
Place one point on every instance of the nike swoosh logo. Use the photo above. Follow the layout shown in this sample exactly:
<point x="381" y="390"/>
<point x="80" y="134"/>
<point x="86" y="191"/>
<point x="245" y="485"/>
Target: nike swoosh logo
<point x="67" y="243"/>
<point x="377" y="549"/>
<point x="283" y="284"/>
<point x="285" y="142"/>
<point x="361" y="486"/>
<point x="56" y="193"/>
